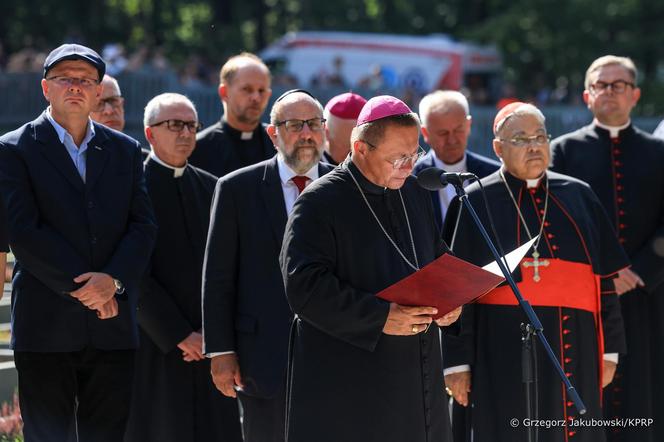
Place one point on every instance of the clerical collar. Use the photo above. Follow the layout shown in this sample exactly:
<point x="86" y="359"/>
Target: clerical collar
<point x="245" y="136"/>
<point x="177" y="171"/>
<point x="530" y="184"/>
<point x="365" y="184"/>
<point x="286" y="173"/>
<point x="614" y="131"/>
<point x="459" y="166"/>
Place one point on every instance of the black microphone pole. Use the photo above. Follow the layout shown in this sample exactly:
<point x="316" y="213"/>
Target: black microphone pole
<point x="535" y="326"/>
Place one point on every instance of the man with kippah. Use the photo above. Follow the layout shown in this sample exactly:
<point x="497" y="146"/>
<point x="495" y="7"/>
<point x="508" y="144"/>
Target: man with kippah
<point x="566" y="277"/>
<point x="341" y="116"/>
<point x="82" y="229"/>
<point x="364" y="369"/>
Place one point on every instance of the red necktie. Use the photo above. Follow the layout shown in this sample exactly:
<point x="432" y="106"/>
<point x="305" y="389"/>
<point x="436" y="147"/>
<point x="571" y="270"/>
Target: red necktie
<point x="300" y="181"/>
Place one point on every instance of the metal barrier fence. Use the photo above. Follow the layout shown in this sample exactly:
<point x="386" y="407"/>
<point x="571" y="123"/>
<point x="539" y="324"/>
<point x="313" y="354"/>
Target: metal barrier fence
<point x="22" y="101"/>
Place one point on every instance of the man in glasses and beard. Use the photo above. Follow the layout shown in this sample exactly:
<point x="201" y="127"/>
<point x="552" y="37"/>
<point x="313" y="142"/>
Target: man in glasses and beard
<point x="246" y="317"/>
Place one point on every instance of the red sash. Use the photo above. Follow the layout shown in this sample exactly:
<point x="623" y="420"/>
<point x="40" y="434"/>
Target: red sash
<point x="563" y="284"/>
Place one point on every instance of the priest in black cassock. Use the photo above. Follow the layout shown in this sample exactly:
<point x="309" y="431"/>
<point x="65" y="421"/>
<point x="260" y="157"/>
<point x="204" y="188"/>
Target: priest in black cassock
<point x="625" y="167"/>
<point x="174" y="398"/>
<point x="4" y="246"/>
<point x="239" y="139"/>
<point x="565" y="277"/>
<point x="364" y="369"/>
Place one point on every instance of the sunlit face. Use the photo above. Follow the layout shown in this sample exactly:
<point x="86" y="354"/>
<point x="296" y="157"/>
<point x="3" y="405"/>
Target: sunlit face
<point x="74" y="99"/>
<point x="173" y="147"/>
<point x="528" y="162"/>
<point x="301" y="150"/>
<point x="607" y="106"/>
<point x="377" y="164"/>
<point x="246" y="96"/>
<point x="112" y="112"/>
<point x="447" y="133"/>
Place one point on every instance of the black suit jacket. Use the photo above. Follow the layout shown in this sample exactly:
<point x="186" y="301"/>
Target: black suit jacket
<point x="60" y="227"/>
<point x="244" y="302"/>
<point x="477" y="164"/>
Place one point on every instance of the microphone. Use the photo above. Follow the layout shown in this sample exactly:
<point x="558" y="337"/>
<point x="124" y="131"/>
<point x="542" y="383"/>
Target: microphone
<point x="434" y="178"/>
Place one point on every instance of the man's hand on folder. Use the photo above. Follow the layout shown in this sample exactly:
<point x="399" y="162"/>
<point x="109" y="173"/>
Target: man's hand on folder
<point x="449" y="318"/>
<point x="404" y="320"/>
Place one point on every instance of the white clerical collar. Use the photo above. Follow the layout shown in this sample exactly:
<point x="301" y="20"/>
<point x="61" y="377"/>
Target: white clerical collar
<point x="246" y="135"/>
<point x="286" y="173"/>
<point x="177" y="171"/>
<point x="459" y="166"/>
<point x="613" y="130"/>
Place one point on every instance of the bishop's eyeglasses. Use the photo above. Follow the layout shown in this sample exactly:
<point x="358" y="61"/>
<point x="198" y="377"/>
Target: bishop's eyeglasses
<point x="523" y="141"/>
<point x="405" y="160"/>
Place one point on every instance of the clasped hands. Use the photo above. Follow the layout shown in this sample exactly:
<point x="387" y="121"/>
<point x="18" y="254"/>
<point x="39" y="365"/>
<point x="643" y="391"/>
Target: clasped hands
<point x="403" y="320"/>
<point x="97" y="293"/>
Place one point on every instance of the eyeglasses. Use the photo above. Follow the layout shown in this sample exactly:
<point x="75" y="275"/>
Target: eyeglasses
<point x="63" y="81"/>
<point x="618" y="86"/>
<point x="535" y="140"/>
<point x="403" y="161"/>
<point x="179" y="125"/>
<point x="296" y="126"/>
<point x="115" y="102"/>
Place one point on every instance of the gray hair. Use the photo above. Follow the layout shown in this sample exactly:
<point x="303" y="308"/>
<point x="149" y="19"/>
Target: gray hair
<point x="608" y="60"/>
<point x="443" y="102"/>
<point x="153" y="108"/>
<point x="523" y="110"/>
<point x="275" y="112"/>
<point x="108" y="79"/>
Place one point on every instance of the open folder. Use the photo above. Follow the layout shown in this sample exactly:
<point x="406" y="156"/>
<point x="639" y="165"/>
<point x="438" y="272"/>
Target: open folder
<point x="450" y="282"/>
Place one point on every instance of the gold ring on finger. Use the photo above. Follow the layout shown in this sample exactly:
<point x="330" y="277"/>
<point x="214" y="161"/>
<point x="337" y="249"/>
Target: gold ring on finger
<point x="414" y="329"/>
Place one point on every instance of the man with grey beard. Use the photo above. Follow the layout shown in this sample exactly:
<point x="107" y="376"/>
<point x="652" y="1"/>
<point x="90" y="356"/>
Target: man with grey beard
<point x="246" y="317"/>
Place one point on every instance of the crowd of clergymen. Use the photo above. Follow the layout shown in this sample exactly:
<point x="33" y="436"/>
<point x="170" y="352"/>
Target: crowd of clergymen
<point x="118" y="248"/>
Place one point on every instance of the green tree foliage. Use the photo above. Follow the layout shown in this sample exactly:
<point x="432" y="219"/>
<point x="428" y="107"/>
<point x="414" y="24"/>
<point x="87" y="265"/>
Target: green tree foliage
<point x="544" y="42"/>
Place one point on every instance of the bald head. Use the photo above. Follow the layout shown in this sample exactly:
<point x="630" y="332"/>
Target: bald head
<point x="110" y="109"/>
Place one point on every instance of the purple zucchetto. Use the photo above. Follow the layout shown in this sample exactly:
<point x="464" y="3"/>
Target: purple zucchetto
<point x="382" y="106"/>
<point x="346" y="106"/>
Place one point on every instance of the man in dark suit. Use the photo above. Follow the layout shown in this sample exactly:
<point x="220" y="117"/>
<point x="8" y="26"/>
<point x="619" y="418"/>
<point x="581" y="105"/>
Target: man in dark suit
<point x="246" y="317"/>
<point x="446" y="127"/>
<point x="82" y="229"/>
<point x="239" y="139"/>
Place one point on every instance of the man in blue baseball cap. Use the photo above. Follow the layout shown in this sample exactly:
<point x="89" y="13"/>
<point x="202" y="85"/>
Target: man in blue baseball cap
<point x="82" y="229"/>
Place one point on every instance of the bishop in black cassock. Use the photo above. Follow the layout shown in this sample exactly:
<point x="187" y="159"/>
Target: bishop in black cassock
<point x="568" y="285"/>
<point x="174" y="397"/>
<point x="353" y="233"/>
<point x="625" y="168"/>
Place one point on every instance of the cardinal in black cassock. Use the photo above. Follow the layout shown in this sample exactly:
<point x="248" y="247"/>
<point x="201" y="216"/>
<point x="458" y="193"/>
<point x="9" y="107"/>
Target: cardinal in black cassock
<point x="176" y="400"/>
<point x="351" y="234"/>
<point x="567" y="281"/>
<point x="625" y="168"/>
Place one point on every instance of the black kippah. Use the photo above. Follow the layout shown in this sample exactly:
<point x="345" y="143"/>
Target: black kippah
<point x="293" y="91"/>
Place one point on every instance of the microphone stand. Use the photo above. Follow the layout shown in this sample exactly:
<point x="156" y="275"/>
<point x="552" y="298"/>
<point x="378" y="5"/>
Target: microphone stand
<point x="532" y="328"/>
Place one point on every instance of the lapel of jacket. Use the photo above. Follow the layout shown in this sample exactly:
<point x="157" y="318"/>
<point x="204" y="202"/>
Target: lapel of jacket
<point x="97" y="155"/>
<point x="56" y="152"/>
<point x="273" y="197"/>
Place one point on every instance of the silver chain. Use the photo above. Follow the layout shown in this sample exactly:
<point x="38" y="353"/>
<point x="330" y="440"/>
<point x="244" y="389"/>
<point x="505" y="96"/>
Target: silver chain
<point x="415" y="267"/>
<point x="518" y="210"/>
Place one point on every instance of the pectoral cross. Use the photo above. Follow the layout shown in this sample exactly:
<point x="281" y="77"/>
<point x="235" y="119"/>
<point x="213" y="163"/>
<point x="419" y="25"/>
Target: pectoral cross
<point x="536" y="264"/>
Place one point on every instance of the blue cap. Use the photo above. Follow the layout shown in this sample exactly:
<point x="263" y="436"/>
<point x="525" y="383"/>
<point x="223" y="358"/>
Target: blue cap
<point x="75" y="52"/>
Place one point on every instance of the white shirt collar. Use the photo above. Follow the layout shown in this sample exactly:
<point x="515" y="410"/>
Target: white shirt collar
<point x="613" y="130"/>
<point x="62" y="132"/>
<point x="286" y="173"/>
<point x="177" y="171"/>
<point x="459" y="166"/>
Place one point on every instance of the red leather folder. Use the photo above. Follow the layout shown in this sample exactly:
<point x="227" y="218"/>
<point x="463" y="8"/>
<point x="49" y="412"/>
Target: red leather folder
<point x="446" y="283"/>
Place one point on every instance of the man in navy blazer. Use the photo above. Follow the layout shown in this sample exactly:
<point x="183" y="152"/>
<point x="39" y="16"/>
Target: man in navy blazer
<point x="246" y="317"/>
<point x="82" y="229"/>
<point x="446" y="127"/>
